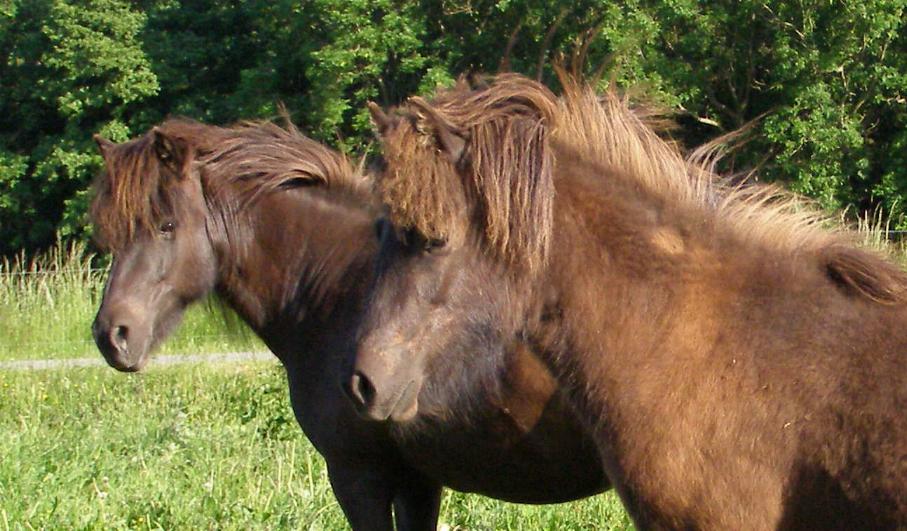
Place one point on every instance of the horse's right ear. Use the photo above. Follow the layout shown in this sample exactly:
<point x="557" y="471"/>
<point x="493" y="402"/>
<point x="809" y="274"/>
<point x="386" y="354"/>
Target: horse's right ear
<point x="451" y="139"/>
<point x="172" y="151"/>
<point x="104" y="145"/>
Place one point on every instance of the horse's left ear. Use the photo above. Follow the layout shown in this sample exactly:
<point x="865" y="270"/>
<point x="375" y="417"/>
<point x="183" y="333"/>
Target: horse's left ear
<point x="379" y="118"/>
<point x="451" y="139"/>
<point x="173" y="151"/>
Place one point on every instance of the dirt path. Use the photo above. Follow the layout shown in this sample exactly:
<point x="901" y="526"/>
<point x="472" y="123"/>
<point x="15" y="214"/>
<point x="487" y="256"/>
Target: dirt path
<point x="169" y="359"/>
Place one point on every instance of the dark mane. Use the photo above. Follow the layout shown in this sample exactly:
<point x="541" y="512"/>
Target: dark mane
<point x="237" y="165"/>
<point x="129" y="196"/>
<point x="504" y="181"/>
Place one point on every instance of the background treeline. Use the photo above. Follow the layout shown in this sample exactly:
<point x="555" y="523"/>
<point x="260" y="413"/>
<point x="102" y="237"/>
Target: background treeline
<point x="827" y="78"/>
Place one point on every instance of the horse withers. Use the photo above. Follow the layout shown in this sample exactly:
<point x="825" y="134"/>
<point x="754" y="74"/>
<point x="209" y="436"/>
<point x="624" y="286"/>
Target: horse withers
<point x="281" y="229"/>
<point x="739" y="364"/>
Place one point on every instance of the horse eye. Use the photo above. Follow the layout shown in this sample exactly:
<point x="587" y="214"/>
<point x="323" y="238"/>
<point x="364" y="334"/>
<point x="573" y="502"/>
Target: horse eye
<point x="379" y="228"/>
<point x="417" y="241"/>
<point x="411" y="238"/>
<point x="434" y="244"/>
<point x="167" y="227"/>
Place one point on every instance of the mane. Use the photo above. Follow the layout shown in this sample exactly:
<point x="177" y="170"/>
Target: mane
<point x="606" y="129"/>
<point x="237" y="165"/>
<point x="255" y="158"/>
<point x="504" y="182"/>
<point x="505" y="127"/>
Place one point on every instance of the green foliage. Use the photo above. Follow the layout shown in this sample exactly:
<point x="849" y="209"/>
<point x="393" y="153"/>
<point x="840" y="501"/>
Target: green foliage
<point x="97" y="59"/>
<point x="827" y="81"/>
<point x="372" y="51"/>
<point x="70" y="69"/>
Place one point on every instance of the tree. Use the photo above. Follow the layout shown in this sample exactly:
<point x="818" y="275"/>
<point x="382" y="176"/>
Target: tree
<point x="71" y="69"/>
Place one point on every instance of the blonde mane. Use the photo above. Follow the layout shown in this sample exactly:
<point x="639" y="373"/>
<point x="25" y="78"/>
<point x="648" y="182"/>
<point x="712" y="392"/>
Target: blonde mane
<point x="606" y="129"/>
<point x="505" y="131"/>
<point x="503" y="186"/>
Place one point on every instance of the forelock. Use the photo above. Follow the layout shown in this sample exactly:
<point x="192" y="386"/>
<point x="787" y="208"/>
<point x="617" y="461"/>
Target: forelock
<point x="419" y="185"/>
<point x="130" y="196"/>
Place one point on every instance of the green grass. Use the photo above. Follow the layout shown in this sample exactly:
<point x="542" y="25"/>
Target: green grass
<point x="47" y="305"/>
<point x="193" y="446"/>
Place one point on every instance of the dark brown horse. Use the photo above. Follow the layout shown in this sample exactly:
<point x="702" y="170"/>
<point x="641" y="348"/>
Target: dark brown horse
<point x="740" y="366"/>
<point x="282" y="229"/>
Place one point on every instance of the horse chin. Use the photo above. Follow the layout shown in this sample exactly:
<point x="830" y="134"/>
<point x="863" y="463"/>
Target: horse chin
<point x="134" y="364"/>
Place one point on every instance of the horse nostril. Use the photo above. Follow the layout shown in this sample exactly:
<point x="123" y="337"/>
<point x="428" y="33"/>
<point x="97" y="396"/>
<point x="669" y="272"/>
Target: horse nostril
<point x="361" y="389"/>
<point x="119" y="336"/>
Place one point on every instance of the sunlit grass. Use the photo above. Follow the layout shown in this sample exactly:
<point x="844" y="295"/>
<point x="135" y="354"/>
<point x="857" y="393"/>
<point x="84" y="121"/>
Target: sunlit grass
<point x="193" y="447"/>
<point x="874" y="231"/>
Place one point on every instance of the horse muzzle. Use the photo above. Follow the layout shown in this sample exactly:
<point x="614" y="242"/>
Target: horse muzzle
<point x="124" y="345"/>
<point x="380" y="395"/>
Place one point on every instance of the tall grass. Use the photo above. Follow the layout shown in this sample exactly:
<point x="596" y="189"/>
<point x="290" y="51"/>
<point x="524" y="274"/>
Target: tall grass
<point x="47" y="304"/>
<point x="874" y="231"/>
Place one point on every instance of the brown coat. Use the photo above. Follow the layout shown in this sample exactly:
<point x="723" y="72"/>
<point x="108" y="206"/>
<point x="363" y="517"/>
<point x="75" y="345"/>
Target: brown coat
<point x="740" y="364"/>
<point x="281" y="229"/>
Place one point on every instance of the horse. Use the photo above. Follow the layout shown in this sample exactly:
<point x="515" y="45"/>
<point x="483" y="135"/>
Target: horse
<point x="281" y="229"/>
<point x="739" y="363"/>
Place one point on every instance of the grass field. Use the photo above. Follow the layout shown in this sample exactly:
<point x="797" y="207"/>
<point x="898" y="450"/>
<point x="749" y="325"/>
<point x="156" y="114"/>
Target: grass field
<point x="192" y="446"/>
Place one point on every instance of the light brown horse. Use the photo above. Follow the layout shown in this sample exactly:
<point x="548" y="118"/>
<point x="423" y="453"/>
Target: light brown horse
<point x="740" y="365"/>
<point x="281" y="229"/>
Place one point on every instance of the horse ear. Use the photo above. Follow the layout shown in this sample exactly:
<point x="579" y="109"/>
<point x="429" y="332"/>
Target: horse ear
<point x="172" y="151"/>
<point x="379" y="118"/>
<point x="464" y="83"/>
<point x="450" y="138"/>
<point x="104" y="145"/>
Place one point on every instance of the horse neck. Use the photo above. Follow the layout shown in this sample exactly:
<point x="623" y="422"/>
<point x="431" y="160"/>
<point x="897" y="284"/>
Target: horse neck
<point x="610" y="215"/>
<point x="641" y="287"/>
<point x="621" y="256"/>
<point x="301" y="261"/>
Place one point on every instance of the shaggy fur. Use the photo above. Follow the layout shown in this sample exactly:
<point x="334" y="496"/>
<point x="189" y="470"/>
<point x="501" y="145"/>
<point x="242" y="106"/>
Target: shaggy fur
<point x="505" y="135"/>
<point x="603" y="128"/>
<point x="282" y="230"/>
<point x="740" y="364"/>
<point x="508" y="127"/>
